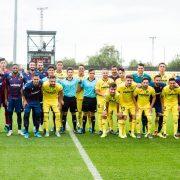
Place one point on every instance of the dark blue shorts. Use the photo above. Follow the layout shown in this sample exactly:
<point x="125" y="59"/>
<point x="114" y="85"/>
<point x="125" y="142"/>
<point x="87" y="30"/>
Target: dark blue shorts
<point x="14" y="104"/>
<point x="158" y="108"/>
<point x="35" y="106"/>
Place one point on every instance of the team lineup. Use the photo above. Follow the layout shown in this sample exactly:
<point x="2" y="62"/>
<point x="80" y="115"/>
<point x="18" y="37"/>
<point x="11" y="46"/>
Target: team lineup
<point x="111" y="101"/>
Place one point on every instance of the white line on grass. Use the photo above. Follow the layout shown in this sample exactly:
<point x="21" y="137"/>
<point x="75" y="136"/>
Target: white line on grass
<point x="84" y="155"/>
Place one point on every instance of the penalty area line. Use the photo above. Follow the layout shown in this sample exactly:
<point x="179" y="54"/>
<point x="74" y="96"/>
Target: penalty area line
<point x="84" y="155"/>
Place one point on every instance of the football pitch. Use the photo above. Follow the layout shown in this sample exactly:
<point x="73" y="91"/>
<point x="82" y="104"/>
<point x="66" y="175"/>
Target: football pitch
<point x="114" y="158"/>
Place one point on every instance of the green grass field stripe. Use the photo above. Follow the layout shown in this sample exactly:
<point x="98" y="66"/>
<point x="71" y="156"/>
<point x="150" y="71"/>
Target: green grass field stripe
<point x="84" y="155"/>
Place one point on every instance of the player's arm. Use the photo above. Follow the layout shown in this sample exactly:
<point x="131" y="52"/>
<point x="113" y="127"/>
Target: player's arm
<point x="6" y="90"/>
<point x="135" y="95"/>
<point x="162" y="100"/>
<point x="60" y="99"/>
<point x="105" y="111"/>
<point x="24" y="92"/>
<point x="99" y="93"/>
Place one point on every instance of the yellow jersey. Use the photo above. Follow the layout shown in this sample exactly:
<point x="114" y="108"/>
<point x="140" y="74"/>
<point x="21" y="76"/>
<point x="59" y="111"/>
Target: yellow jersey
<point x="126" y="94"/>
<point x="164" y="77"/>
<point x="51" y="93"/>
<point x="103" y="86"/>
<point x="79" y="95"/>
<point x="170" y="96"/>
<point x="112" y="100"/>
<point x="60" y="75"/>
<point x="119" y="81"/>
<point x="143" y="96"/>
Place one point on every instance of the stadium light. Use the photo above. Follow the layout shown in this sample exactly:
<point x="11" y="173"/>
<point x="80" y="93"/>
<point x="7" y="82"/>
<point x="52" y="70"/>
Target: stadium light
<point x="15" y="31"/>
<point x="152" y="55"/>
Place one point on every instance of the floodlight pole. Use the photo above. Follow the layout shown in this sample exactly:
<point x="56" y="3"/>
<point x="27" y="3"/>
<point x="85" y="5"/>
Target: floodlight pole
<point x="152" y="56"/>
<point x="41" y="9"/>
<point x="15" y="32"/>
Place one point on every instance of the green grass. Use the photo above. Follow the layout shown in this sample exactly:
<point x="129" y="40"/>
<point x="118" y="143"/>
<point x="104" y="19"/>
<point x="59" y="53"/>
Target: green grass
<point x="53" y="158"/>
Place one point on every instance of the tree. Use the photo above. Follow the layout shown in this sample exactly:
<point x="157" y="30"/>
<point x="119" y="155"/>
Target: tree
<point x="69" y="62"/>
<point x="106" y="57"/>
<point x="133" y="63"/>
<point x="175" y="64"/>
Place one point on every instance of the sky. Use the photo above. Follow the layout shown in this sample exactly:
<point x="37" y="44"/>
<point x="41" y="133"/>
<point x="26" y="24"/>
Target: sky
<point x="85" y="26"/>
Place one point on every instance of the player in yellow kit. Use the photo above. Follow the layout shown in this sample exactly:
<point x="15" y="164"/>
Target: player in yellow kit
<point x="79" y="96"/>
<point x="121" y="78"/>
<point x="127" y="102"/>
<point x="102" y="87"/>
<point x="143" y="104"/>
<point x="59" y="71"/>
<point x="52" y="98"/>
<point x="111" y="107"/>
<point x="170" y="98"/>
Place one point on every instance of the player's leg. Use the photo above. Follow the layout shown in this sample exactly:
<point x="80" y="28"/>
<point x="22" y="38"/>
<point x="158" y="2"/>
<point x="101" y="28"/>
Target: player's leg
<point x="138" y="122"/>
<point x="132" y="116"/>
<point x="99" y="116"/>
<point x="27" y="110"/>
<point x="73" y="110"/>
<point x="121" y="124"/>
<point x="179" y="124"/>
<point x="104" y="124"/>
<point x="175" y="116"/>
<point x="37" y="112"/>
<point x="85" y="114"/>
<point x="92" y="105"/>
<point x="149" y="123"/>
<point x="144" y="123"/>
<point x="65" y="108"/>
<point x="166" y="112"/>
<point x="57" y="118"/>
<point x="10" y="109"/>
<point x="18" y="108"/>
<point x="46" y="108"/>
<point x="79" y="113"/>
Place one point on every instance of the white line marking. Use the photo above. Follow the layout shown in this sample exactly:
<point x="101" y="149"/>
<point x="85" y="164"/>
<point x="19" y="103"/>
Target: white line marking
<point x="84" y="155"/>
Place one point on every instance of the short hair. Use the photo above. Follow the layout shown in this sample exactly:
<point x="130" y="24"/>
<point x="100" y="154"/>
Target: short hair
<point x="2" y="59"/>
<point x="90" y="70"/>
<point x="157" y="76"/>
<point x="32" y="62"/>
<point x="15" y="65"/>
<point x="162" y="64"/>
<point x="113" y="85"/>
<point x="172" y="79"/>
<point x="121" y="69"/>
<point x="113" y="66"/>
<point x="81" y="65"/>
<point x="69" y="69"/>
<point x="104" y="69"/>
<point x="141" y="64"/>
<point x="51" y="67"/>
<point x="59" y="62"/>
<point x="129" y="76"/>
<point x="145" y="79"/>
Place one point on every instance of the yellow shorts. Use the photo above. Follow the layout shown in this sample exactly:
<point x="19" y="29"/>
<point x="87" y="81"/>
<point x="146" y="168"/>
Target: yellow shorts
<point x="48" y="105"/>
<point x="128" y="110"/>
<point x="112" y="109"/>
<point x="146" y="112"/>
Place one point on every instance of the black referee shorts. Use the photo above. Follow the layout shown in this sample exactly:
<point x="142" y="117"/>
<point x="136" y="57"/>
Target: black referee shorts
<point x="69" y="102"/>
<point x="89" y="104"/>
